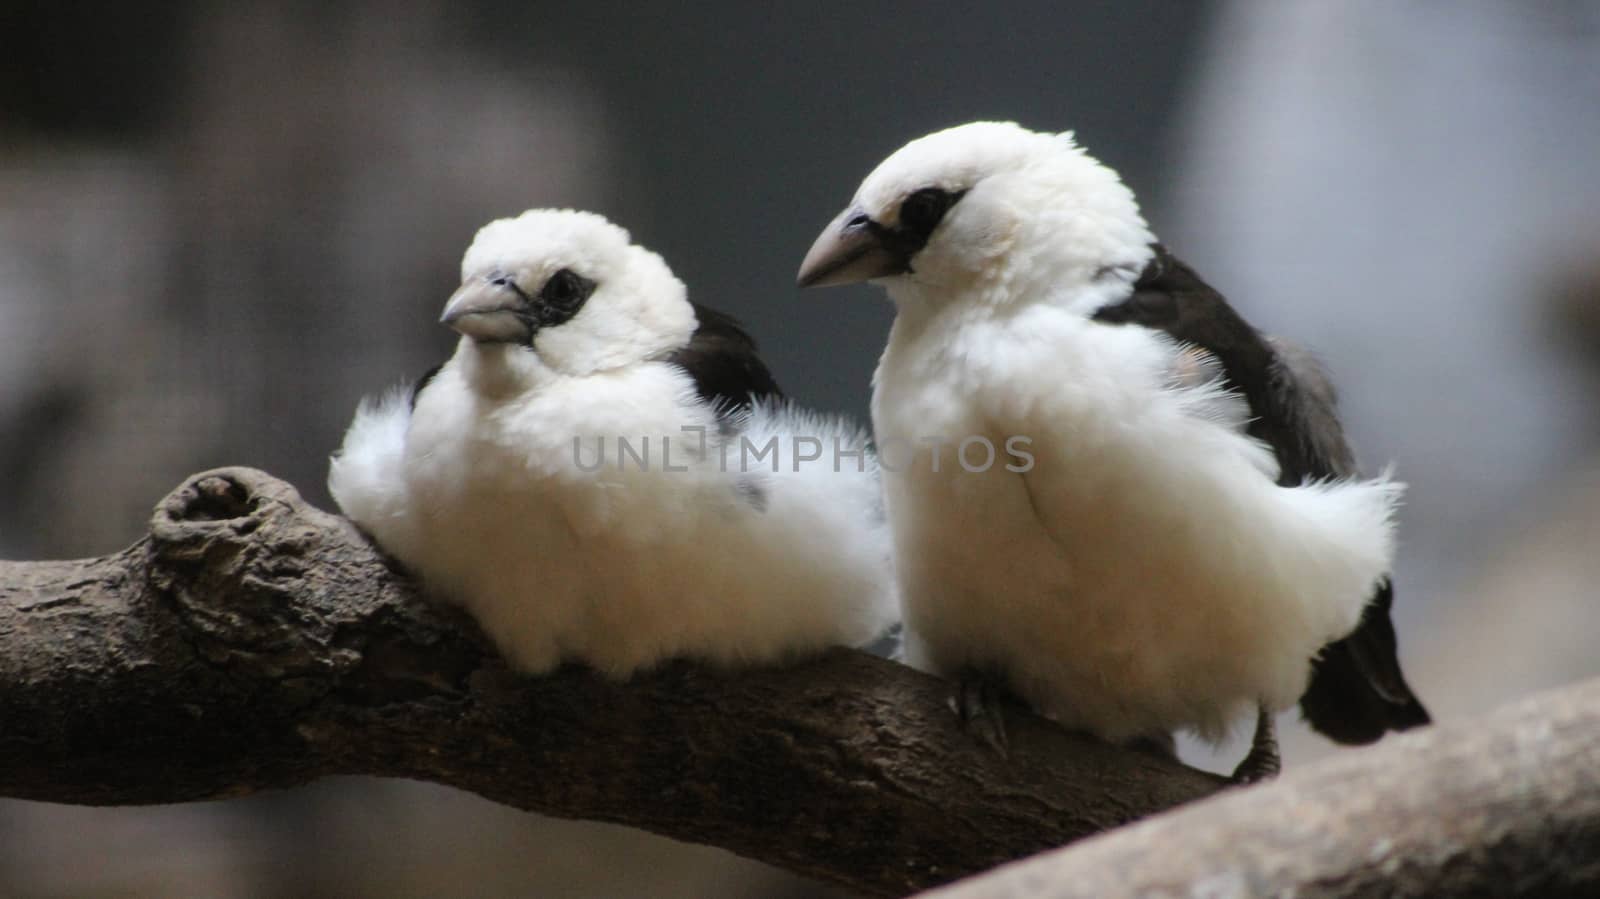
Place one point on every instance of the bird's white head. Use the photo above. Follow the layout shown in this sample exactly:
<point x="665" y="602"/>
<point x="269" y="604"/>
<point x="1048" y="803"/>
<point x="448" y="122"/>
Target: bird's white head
<point x="573" y="289"/>
<point x="988" y="209"/>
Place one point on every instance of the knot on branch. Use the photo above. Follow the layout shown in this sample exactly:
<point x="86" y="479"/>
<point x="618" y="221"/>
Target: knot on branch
<point x="234" y="554"/>
<point x="221" y="505"/>
<point x="216" y="497"/>
<point x="283" y="595"/>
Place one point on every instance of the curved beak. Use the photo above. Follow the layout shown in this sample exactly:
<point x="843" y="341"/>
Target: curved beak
<point x="486" y="309"/>
<point x="850" y="250"/>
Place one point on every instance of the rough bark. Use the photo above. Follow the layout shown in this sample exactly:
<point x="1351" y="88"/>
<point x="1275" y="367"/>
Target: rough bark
<point x="253" y="642"/>
<point x="1506" y="805"/>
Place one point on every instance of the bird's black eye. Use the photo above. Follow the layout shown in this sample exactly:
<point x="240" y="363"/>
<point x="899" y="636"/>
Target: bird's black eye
<point x="566" y="290"/>
<point x="922" y="211"/>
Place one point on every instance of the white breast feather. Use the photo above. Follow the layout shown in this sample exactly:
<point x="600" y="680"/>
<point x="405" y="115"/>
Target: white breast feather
<point x="621" y="568"/>
<point x="367" y="475"/>
<point x="1147" y="574"/>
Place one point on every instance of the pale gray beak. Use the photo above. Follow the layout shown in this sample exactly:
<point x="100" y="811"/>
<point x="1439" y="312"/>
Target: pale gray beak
<point x="489" y="310"/>
<point x="853" y="248"/>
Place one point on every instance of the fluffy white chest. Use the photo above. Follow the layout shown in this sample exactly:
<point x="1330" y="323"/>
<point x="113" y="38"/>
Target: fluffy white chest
<point x="512" y="525"/>
<point x="521" y="506"/>
<point x="1145" y="574"/>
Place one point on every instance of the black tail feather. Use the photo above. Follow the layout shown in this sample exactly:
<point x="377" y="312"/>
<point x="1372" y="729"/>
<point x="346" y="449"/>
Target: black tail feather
<point x="1357" y="691"/>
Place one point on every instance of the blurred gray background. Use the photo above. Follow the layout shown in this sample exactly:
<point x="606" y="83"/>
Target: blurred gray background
<point x="220" y="226"/>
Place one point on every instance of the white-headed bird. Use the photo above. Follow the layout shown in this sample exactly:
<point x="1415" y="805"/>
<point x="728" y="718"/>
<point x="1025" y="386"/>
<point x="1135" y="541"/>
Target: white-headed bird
<point x="606" y="473"/>
<point x="1183" y="540"/>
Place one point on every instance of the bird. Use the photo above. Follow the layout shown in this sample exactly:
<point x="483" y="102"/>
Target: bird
<point x="1188" y="541"/>
<point x="605" y="473"/>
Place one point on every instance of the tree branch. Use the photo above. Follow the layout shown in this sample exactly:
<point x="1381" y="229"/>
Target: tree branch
<point x="253" y="642"/>
<point x="1506" y="805"/>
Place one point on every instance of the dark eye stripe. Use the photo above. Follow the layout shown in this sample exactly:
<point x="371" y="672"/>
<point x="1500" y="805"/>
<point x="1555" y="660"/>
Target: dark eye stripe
<point x="923" y="210"/>
<point x="920" y="214"/>
<point x="561" y="297"/>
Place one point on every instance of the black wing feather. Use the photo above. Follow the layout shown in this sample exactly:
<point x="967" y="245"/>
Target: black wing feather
<point x="721" y="358"/>
<point x="427" y="377"/>
<point x="1357" y="691"/>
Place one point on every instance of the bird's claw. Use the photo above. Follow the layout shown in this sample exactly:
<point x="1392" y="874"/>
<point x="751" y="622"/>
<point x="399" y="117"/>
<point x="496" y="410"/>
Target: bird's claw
<point x="980" y="705"/>
<point x="1262" y="762"/>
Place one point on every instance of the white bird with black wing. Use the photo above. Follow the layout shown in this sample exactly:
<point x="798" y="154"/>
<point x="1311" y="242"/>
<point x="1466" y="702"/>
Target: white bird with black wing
<point x="1192" y="535"/>
<point x="593" y="473"/>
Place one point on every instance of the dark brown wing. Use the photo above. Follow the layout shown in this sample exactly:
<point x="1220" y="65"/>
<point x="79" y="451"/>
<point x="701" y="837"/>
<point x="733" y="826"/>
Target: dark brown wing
<point x="424" y="381"/>
<point x="1357" y="691"/>
<point x="721" y="359"/>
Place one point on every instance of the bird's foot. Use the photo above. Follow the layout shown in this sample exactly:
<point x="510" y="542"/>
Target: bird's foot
<point x="1262" y="763"/>
<point x="980" y="704"/>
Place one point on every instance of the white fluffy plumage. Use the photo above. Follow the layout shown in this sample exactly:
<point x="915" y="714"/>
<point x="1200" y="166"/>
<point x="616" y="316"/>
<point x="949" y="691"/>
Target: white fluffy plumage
<point x="703" y="553"/>
<point x="1146" y="574"/>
